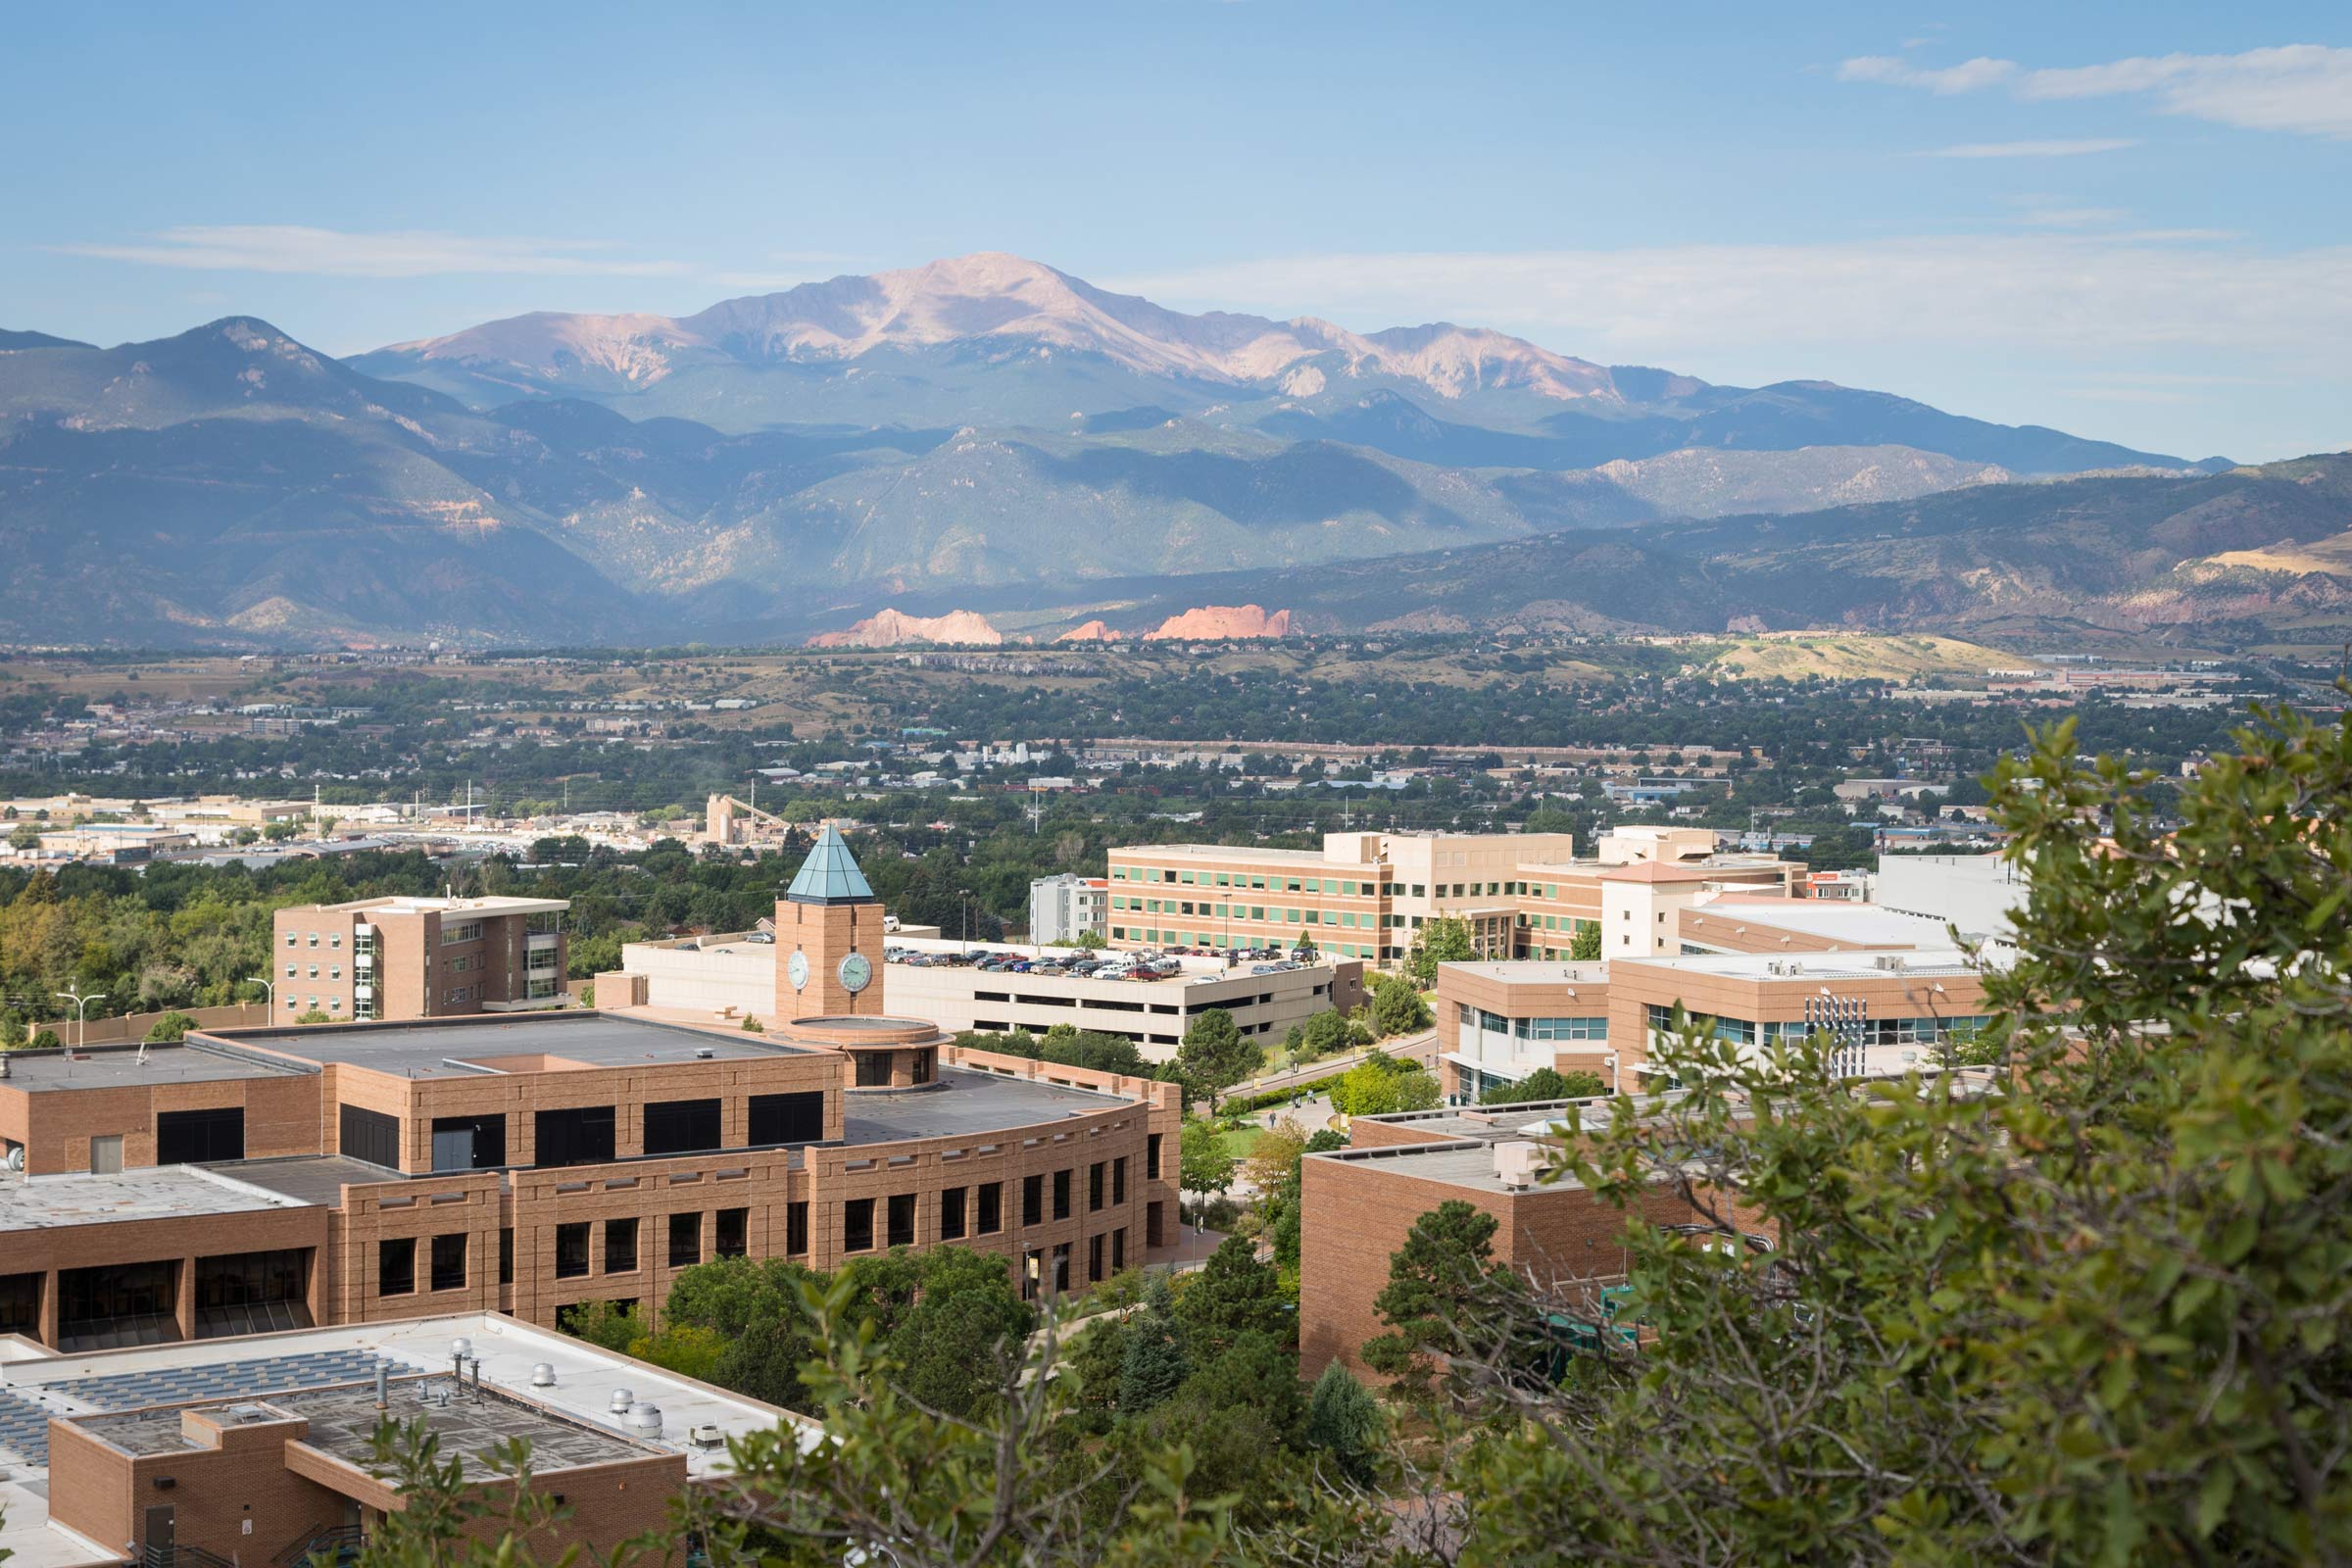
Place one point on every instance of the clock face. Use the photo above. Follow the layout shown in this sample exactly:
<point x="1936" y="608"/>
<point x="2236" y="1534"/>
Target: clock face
<point x="855" y="973"/>
<point x="796" y="969"/>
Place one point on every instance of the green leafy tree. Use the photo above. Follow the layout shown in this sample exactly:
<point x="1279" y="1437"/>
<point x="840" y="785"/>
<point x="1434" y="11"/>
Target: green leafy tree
<point x="279" y="832"/>
<point x="2088" y="1305"/>
<point x="171" y="1026"/>
<point x="25" y="836"/>
<point x="1203" y="1164"/>
<point x="1345" y="1423"/>
<point x="1584" y="944"/>
<point x="1442" y="939"/>
<point x="1380" y="1086"/>
<point x="1398" y="1005"/>
<point x="1326" y="1033"/>
<point x="1215" y="1055"/>
<point x="965" y="1331"/>
<point x="1546" y="1083"/>
<point x="1233" y="1295"/>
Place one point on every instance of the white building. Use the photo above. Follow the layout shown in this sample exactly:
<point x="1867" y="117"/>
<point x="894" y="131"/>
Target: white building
<point x="1063" y="908"/>
<point x="1978" y="893"/>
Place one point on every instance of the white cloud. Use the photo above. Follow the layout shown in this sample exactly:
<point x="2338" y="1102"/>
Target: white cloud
<point x="2304" y="88"/>
<point x="2049" y="294"/>
<point x="2036" y="149"/>
<point x="1967" y="76"/>
<point x="337" y="252"/>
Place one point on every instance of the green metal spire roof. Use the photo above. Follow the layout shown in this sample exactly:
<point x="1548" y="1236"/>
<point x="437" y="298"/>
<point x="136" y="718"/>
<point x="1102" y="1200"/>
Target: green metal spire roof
<point x="830" y="874"/>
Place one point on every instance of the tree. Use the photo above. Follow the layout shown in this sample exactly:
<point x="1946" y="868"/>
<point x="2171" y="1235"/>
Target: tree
<point x="171" y="1026"/>
<point x="1215" y="1055"/>
<point x="1275" y="1155"/>
<point x="280" y="831"/>
<point x="1546" y="1083"/>
<point x="1155" y="1364"/>
<point x="1203" y="1164"/>
<point x="1398" y="1005"/>
<point x="1442" y="939"/>
<point x="1381" y="1086"/>
<point x="1233" y="1295"/>
<point x="1445" y="1291"/>
<point x="2088" y="1305"/>
<point x="1326" y="1032"/>
<point x="953" y="1346"/>
<point x="1584" y="944"/>
<point x="751" y="1024"/>
<point x="1344" y="1421"/>
<point x="25" y="836"/>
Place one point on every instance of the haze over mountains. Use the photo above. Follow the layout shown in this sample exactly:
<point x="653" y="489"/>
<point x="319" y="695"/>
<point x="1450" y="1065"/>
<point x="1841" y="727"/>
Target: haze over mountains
<point x="987" y="431"/>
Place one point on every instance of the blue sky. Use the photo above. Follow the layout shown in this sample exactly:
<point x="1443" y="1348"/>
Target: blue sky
<point x="2129" y="222"/>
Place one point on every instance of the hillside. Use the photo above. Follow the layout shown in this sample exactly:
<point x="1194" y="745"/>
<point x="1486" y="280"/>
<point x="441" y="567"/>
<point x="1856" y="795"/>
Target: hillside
<point x="997" y="341"/>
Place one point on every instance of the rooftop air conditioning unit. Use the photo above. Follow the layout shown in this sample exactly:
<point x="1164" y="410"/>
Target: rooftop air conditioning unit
<point x="1516" y="1166"/>
<point x="707" y="1436"/>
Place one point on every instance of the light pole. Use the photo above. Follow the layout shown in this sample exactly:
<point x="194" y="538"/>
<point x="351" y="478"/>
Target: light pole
<point x="80" y="1003"/>
<point x="270" y="991"/>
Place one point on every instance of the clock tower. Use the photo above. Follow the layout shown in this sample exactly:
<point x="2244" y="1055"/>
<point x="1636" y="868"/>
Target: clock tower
<point x="829" y="938"/>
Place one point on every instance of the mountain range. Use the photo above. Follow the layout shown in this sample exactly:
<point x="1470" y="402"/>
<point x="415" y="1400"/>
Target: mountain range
<point x="989" y="432"/>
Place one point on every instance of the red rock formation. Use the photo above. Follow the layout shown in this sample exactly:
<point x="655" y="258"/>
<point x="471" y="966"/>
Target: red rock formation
<point x="890" y="628"/>
<point x="1211" y="622"/>
<point x="1094" y="632"/>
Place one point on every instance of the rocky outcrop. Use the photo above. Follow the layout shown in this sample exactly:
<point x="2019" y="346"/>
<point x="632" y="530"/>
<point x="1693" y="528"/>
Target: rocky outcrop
<point x="1093" y="631"/>
<point x="889" y="628"/>
<point x="1215" y="622"/>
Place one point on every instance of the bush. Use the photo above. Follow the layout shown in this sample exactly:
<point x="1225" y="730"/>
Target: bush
<point x="1546" y="1084"/>
<point x="169" y="1027"/>
<point x="752" y="1026"/>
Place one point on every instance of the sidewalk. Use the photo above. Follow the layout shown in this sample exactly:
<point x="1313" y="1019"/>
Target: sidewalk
<point x="1421" y="1047"/>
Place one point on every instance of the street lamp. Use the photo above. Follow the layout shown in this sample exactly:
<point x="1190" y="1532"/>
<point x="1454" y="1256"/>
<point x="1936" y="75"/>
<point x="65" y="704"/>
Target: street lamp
<point x="80" y="1003"/>
<point x="269" y="988"/>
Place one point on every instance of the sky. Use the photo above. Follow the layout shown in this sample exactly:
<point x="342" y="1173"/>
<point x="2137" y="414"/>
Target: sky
<point x="2129" y="222"/>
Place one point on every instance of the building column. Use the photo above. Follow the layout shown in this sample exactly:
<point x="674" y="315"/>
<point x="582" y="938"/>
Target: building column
<point x="48" y="1323"/>
<point x="183" y="1305"/>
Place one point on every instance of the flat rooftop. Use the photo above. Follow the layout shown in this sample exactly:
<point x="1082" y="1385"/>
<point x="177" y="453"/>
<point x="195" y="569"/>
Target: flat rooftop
<point x="1535" y="971"/>
<point x="129" y="1067"/>
<point x="157" y="1191"/>
<point x="1232" y="851"/>
<point x="1925" y="964"/>
<point x="1507" y="1123"/>
<point x="405" y="904"/>
<point x="964" y="1104"/>
<point x="343" y="1422"/>
<point x="306" y="1178"/>
<point x="1830" y="919"/>
<point x="514" y="1043"/>
<point x="1469" y="1165"/>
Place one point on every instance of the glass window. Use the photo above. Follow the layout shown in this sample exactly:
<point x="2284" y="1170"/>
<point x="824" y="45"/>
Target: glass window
<point x="1061" y="1194"/>
<point x="685" y="1240"/>
<point x="1033" y="1199"/>
<point x="796" y="1230"/>
<point x="571" y="1249"/>
<point x="992" y="1209"/>
<point x="448" y="1261"/>
<point x="1093" y="1187"/>
<point x="1119" y="1181"/>
<point x="858" y="1225"/>
<point x="731" y="1233"/>
<point x="396" y="1267"/>
<point x="899" y="1218"/>
<point x="950" y="1214"/>
<point x="620" y="1245"/>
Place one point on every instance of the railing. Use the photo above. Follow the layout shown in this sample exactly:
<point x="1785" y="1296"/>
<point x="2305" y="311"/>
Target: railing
<point x="157" y="1556"/>
<point x="324" y="1543"/>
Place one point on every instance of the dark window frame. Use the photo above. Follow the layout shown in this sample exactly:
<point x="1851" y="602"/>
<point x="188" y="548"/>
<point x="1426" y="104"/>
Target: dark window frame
<point x="396" y="1267"/>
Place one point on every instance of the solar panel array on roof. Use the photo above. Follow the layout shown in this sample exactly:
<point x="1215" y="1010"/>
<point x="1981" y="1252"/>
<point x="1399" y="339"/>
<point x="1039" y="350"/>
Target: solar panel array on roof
<point x="180" y="1384"/>
<point x="24" y="1428"/>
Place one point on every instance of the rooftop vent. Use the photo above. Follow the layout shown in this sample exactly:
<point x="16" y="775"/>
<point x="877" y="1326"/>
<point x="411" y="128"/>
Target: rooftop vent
<point x="543" y="1375"/>
<point x="623" y="1398"/>
<point x="1516" y="1166"/>
<point x="645" y="1420"/>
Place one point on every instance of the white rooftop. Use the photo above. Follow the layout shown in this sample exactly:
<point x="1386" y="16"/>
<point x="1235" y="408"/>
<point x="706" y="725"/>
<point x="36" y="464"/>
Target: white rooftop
<point x="1926" y="963"/>
<point x="157" y="1191"/>
<point x="1833" y="920"/>
<point x="407" y="904"/>
<point x="585" y="1378"/>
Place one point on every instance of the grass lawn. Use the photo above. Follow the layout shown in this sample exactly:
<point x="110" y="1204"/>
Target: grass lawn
<point x="1240" y="1141"/>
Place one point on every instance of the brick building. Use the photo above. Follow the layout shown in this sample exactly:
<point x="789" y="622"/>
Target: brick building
<point x="299" y="1176"/>
<point x="402" y="958"/>
<point x="258" y="1449"/>
<point x="1358" y="1205"/>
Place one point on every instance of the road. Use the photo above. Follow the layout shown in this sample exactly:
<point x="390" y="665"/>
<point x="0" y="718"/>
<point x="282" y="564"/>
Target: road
<point x="1421" y="1047"/>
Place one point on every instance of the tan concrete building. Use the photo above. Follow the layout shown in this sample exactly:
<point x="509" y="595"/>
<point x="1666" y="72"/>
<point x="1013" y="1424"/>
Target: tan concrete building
<point x="1367" y="894"/>
<point x="1362" y="896"/>
<point x="402" y="958"/>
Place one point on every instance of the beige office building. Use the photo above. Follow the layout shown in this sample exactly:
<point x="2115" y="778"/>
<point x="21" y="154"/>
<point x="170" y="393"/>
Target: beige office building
<point x="401" y="957"/>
